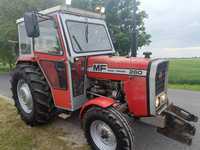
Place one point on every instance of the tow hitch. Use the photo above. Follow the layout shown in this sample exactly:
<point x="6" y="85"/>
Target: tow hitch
<point x="178" y="126"/>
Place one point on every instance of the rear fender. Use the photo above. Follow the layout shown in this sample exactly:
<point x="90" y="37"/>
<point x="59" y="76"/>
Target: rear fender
<point x="26" y="58"/>
<point x="103" y="102"/>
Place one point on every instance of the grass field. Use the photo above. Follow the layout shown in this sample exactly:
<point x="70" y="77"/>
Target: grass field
<point x="4" y="68"/>
<point x="185" y="87"/>
<point x="16" y="135"/>
<point x="185" y="74"/>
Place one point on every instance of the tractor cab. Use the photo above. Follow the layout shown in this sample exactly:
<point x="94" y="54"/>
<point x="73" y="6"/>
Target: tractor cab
<point x="61" y="39"/>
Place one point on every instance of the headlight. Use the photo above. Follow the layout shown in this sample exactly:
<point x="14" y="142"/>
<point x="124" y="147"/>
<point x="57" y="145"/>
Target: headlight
<point x="157" y="102"/>
<point x="161" y="99"/>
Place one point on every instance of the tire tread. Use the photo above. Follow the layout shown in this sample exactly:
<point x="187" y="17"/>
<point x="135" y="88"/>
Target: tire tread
<point x="43" y="103"/>
<point x="118" y="120"/>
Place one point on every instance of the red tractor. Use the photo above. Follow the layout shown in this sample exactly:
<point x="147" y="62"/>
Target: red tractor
<point x="66" y="64"/>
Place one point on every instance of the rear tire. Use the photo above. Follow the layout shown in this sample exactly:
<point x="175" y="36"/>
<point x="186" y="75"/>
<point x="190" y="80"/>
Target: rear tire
<point x="107" y="129"/>
<point x="28" y="85"/>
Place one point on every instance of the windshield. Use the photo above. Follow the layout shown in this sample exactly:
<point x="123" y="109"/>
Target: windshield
<point x="88" y="37"/>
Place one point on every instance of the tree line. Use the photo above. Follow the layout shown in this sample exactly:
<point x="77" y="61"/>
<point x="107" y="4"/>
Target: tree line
<point x="119" y="18"/>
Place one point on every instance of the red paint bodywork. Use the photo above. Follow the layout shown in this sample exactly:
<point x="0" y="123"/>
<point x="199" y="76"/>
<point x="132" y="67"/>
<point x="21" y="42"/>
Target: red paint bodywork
<point x="26" y="58"/>
<point x="103" y="102"/>
<point x="136" y="96"/>
<point x="50" y="72"/>
<point x="135" y="87"/>
<point x="62" y="98"/>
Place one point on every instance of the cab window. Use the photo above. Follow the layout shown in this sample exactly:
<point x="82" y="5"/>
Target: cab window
<point x="24" y="40"/>
<point x="88" y="37"/>
<point x="48" y="41"/>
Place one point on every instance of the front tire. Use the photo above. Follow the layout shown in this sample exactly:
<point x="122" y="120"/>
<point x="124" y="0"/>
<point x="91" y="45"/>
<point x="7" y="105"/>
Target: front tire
<point x="107" y="129"/>
<point x="31" y="94"/>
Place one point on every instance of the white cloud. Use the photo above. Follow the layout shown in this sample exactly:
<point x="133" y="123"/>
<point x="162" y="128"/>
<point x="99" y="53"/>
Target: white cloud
<point x="173" y="23"/>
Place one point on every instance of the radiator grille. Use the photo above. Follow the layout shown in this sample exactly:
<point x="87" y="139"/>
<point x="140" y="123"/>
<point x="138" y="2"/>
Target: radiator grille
<point x="161" y="77"/>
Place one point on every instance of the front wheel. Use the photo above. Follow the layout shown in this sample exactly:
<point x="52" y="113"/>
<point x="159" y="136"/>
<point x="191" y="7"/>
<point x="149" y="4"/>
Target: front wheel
<point x="107" y="129"/>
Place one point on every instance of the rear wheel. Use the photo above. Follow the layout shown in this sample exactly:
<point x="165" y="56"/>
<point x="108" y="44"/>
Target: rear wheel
<point x="107" y="129"/>
<point x="24" y="96"/>
<point x="31" y="94"/>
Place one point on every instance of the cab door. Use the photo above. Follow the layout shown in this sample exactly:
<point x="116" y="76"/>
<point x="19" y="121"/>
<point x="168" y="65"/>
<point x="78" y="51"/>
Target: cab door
<point x="51" y="57"/>
<point x="78" y="81"/>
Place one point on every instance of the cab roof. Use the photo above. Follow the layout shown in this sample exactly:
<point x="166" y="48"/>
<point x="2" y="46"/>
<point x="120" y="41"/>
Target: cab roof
<point x="69" y="10"/>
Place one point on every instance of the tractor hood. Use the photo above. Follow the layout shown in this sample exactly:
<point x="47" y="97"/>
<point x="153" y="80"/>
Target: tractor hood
<point x="116" y="67"/>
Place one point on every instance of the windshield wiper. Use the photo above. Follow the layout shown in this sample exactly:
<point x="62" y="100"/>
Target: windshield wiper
<point x="77" y="43"/>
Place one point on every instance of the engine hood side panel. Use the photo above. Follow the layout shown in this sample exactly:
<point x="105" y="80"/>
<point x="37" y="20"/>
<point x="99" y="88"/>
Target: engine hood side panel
<point x="136" y="96"/>
<point x="131" y="71"/>
<point x="116" y="67"/>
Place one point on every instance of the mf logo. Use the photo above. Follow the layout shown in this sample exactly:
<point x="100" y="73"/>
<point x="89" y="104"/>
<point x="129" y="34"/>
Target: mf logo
<point x="99" y="67"/>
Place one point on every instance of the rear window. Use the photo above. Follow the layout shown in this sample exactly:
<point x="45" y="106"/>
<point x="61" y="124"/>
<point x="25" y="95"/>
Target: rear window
<point x="24" y="40"/>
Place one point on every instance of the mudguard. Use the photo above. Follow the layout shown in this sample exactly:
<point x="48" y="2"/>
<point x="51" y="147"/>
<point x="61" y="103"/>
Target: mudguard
<point x="103" y="102"/>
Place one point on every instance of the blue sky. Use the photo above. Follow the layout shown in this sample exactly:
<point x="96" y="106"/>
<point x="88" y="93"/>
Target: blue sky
<point x="174" y="26"/>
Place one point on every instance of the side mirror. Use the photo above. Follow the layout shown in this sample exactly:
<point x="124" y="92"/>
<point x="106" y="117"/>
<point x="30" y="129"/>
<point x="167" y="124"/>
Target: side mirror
<point x="31" y="24"/>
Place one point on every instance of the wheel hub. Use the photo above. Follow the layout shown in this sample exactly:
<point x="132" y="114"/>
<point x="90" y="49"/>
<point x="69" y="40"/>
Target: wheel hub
<point x="103" y="136"/>
<point x="24" y="96"/>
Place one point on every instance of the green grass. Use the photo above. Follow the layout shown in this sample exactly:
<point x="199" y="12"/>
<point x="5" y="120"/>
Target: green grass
<point x="15" y="135"/>
<point x="185" y="87"/>
<point x="185" y="74"/>
<point x="4" y="68"/>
